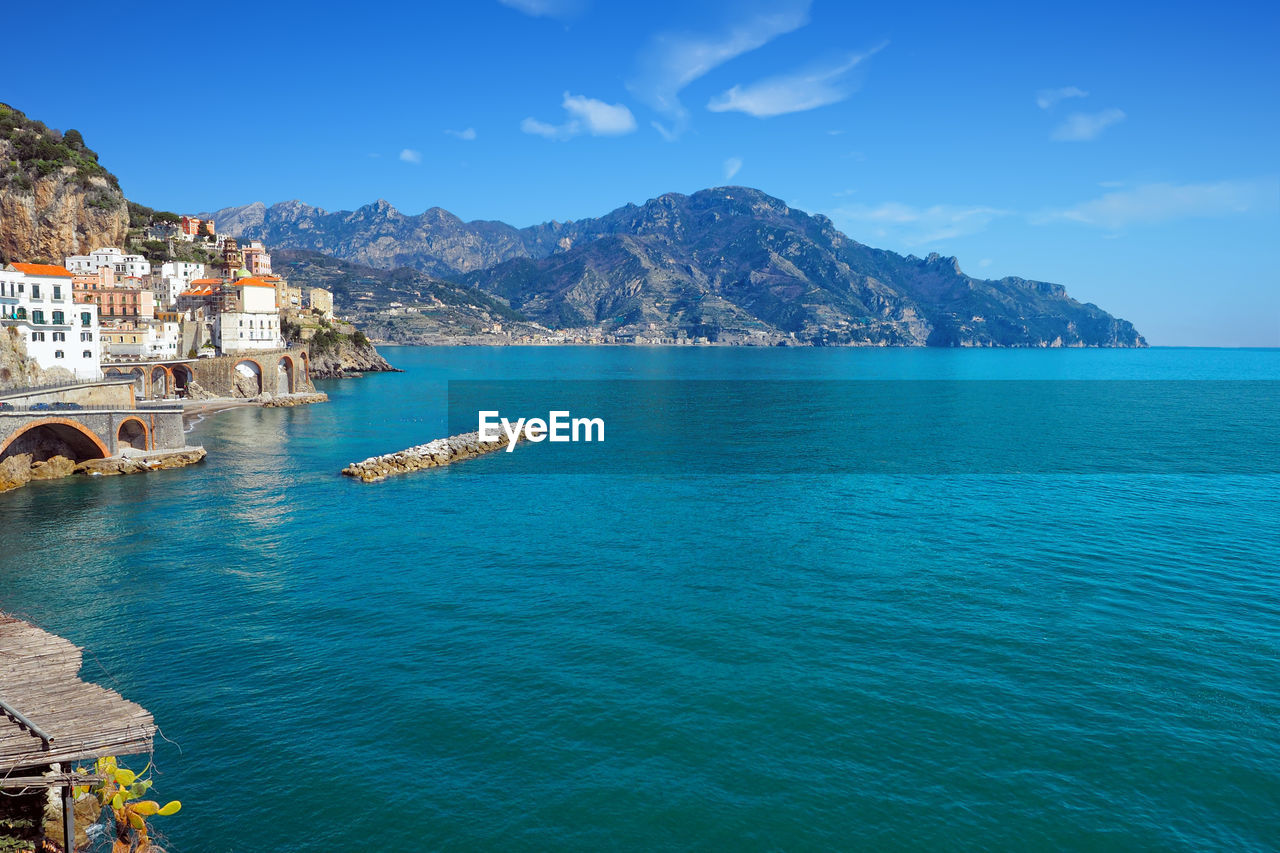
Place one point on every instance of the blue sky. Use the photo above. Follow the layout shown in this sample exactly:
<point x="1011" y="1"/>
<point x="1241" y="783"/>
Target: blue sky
<point x="1131" y="153"/>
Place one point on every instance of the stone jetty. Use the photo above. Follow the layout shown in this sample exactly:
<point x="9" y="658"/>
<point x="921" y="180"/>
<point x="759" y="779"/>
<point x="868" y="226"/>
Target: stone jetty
<point x="433" y="454"/>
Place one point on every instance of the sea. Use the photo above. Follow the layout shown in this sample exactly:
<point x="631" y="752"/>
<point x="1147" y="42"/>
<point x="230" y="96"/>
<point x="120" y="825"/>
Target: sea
<point x="796" y="599"/>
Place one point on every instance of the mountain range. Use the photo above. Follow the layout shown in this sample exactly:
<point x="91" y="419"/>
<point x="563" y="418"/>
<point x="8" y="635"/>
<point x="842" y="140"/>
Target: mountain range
<point x="728" y="264"/>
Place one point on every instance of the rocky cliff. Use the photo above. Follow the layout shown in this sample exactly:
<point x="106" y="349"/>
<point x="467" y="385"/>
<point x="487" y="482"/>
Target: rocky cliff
<point x="55" y="199"/>
<point x="18" y="370"/>
<point x="347" y="355"/>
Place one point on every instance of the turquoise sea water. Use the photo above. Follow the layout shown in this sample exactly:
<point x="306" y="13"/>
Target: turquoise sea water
<point x="688" y="659"/>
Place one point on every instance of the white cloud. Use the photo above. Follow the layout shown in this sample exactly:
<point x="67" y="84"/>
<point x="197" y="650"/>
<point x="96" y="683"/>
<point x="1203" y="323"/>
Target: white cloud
<point x="913" y="226"/>
<point x="1155" y="203"/>
<point x="816" y="86"/>
<point x="586" y="115"/>
<point x="546" y="8"/>
<point x="465" y="135"/>
<point x="1083" y="127"/>
<point x="541" y="128"/>
<point x="731" y="167"/>
<point x="672" y="61"/>
<point x="408" y="155"/>
<point x="1046" y="98"/>
<point x="599" y="118"/>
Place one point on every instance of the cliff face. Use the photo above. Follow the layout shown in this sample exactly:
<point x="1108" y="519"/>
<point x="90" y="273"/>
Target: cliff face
<point x="17" y="370"/>
<point x="56" y="218"/>
<point x="346" y="357"/>
<point x="55" y="199"/>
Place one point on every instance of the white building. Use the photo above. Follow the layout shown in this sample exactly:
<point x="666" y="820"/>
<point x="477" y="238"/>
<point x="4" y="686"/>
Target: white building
<point x="124" y="266"/>
<point x="250" y="321"/>
<point x="184" y="270"/>
<point x="174" y="279"/>
<point x="37" y="300"/>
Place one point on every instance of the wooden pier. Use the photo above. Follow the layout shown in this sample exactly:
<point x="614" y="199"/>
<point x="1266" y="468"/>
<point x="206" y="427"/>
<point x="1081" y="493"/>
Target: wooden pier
<point x="48" y="716"/>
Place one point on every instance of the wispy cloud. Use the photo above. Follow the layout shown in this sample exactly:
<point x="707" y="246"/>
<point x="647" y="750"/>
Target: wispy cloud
<point x="585" y="115"/>
<point x="731" y="167"/>
<point x="1151" y="204"/>
<point x="408" y="155"/>
<point x="546" y="8"/>
<point x="671" y="61"/>
<point x="807" y="89"/>
<point x="1046" y="98"/>
<point x="1084" y="127"/>
<point x="1148" y="204"/>
<point x="466" y="135"/>
<point x="914" y="226"/>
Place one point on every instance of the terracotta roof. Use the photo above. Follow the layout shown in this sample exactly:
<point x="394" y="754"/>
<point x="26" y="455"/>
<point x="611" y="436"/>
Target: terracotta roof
<point x="254" y="282"/>
<point x="43" y="269"/>
<point x="206" y="281"/>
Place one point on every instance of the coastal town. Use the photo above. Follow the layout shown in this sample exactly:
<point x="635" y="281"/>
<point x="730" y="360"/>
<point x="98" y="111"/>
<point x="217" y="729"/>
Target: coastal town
<point x="103" y="355"/>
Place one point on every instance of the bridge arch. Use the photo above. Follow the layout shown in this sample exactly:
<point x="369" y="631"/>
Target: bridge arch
<point x="182" y="377"/>
<point x="132" y="433"/>
<point x="161" y="381"/>
<point x="49" y="437"/>
<point x="249" y="377"/>
<point x="139" y="381"/>
<point x="285" y="375"/>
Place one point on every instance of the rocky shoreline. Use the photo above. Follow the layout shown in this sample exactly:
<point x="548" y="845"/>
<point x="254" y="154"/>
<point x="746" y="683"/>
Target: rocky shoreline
<point x="433" y="454"/>
<point x="348" y="359"/>
<point x="18" y="470"/>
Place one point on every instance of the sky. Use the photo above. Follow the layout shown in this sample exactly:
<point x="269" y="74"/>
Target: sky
<point x="1128" y="151"/>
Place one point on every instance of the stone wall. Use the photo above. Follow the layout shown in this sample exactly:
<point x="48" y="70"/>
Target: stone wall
<point x="101" y="395"/>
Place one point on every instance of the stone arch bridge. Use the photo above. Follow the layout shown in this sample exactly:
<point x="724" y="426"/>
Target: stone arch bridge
<point x="86" y="420"/>
<point x="247" y="374"/>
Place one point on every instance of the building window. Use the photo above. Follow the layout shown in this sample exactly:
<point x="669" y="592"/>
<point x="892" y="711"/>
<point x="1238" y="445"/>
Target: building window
<point x="59" y="318"/>
<point x="57" y="353"/>
<point x="35" y="291"/>
<point x="59" y="336"/>
<point x="86" y="336"/>
<point x="85" y="318"/>
<point x="87" y="354"/>
<point x="57" y="293"/>
<point x="37" y="316"/>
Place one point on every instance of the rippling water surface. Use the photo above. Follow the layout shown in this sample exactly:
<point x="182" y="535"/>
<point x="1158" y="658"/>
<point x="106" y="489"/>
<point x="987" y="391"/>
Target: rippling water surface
<point x="470" y="659"/>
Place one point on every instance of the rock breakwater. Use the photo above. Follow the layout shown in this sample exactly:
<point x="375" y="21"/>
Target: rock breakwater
<point x="289" y="400"/>
<point x="433" y="454"/>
